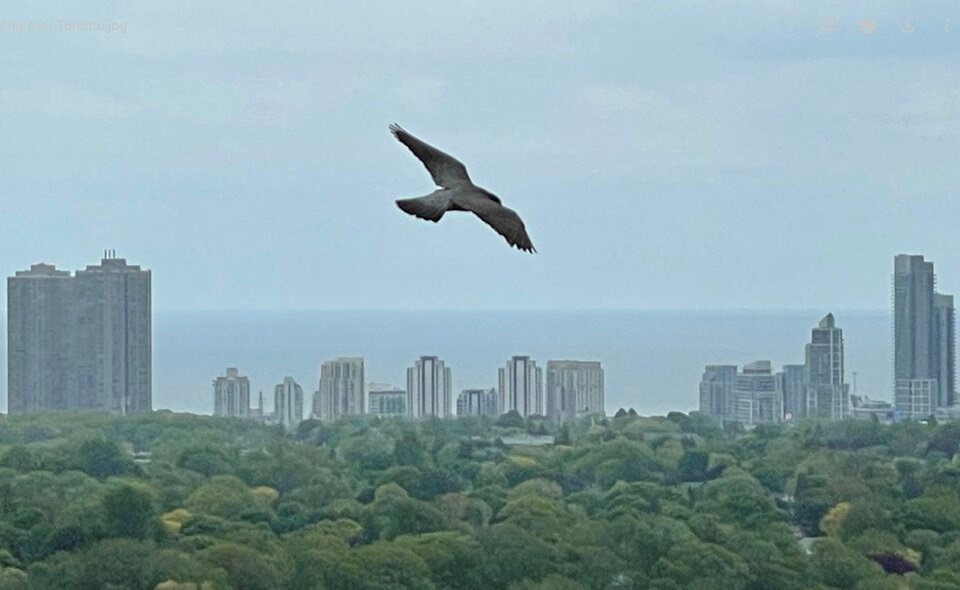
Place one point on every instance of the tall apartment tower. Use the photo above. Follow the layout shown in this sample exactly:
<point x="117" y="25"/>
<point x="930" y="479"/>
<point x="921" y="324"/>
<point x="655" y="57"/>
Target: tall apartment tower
<point x="923" y="326"/>
<point x="574" y="389"/>
<point x="477" y="402"/>
<point x="288" y="403"/>
<point x="944" y="337"/>
<point x="341" y="389"/>
<point x="40" y="348"/>
<point x="80" y="342"/>
<point x="716" y="391"/>
<point x="231" y="395"/>
<point x="428" y="388"/>
<point x="113" y="329"/>
<point x="828" y="396"/>
<point x="521" y="387"/>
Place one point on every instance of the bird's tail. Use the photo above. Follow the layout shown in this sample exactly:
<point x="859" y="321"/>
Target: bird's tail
<point x="431" y="207"/>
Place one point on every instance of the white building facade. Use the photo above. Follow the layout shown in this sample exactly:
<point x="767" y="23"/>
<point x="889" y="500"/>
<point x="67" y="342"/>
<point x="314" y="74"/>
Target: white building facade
<point x="288" y="403"/>
<point x="341" y="389"/>
<point x="521" y="387"/>
<point x="574" y="389"/>
<point x="429" y="386"/>
<point x="231" y="395"/>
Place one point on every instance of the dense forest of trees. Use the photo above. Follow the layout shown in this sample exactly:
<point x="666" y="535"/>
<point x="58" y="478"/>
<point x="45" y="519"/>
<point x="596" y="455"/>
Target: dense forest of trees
<point x="173" y="501"/>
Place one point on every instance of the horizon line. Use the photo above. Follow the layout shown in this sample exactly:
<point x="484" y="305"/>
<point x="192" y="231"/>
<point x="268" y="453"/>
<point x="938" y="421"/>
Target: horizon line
<point x="573" y="309"/>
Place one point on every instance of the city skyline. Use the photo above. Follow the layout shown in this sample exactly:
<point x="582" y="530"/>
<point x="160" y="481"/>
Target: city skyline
<point x="924" y="355"/>
<point x="942" y="313"/>
<point x="573" y="389"/>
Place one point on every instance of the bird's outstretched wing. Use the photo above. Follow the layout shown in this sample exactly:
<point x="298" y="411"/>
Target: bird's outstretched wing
<point x="431" y="207"/>
<point x="505" y="221"/>
<point x="446" y="170"/>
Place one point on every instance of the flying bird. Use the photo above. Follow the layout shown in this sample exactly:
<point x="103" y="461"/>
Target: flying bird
<point x="457" y="193"/>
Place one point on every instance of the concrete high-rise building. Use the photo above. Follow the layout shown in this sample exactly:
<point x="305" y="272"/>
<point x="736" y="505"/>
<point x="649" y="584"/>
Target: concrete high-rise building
<point x="944" y="337"/>
<point x="716" y="391"/>
<point x="913" y="286"/>
<point x="477" y="402"/>
<point x="288" y="403"/>
<point x="428" y="388"/>
<point x="521" y="387"/>
<point x="114" y="328"/>
<point x="80" y="342"/>
<point x="574" y="389"/>
<point x="387" y="402"/>
<point x="231" y="395"/>
<point x="924" y="337"/>
<point x="757" y="397"/>
<point x="341" y="389"/>
<point x="828" y="396"/>
<point x="793" y="384"/>
<point x="40" y="340"/>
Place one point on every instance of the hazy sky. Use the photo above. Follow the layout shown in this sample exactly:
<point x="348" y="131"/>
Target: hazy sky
<point x="663" y="154"/>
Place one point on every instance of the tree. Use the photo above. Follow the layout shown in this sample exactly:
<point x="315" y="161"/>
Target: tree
<point x="449" y="556"/>
<point x="12" y="578"/>
<point x="103" y="458"/>
<point x="840" y="567"/>
<point x="511" y="419"/>
<point x="551" y="582"/>
<point x="112" y="563"/>
<point x="130" y="512"/>
<point x="386" y="565"/>
<point x="693" y="465"/>
<point x="223" y="495"/>
<point x="697" y="565"/>
<point x="510" y="554"/>
<point x="409" y="450"/>
<point x="19" y="458"/>
<point x="394" y="513"/>
<point x="206" y="461"/>
<point x="246" y="569"/>
<point x="371" y="451"/>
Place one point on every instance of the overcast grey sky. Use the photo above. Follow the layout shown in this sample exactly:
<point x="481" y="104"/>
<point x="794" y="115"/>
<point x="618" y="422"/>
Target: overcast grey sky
<point x="663" y="154"/>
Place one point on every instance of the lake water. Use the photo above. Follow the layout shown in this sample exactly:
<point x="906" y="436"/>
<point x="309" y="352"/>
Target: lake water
<point x="652" y="359"/>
